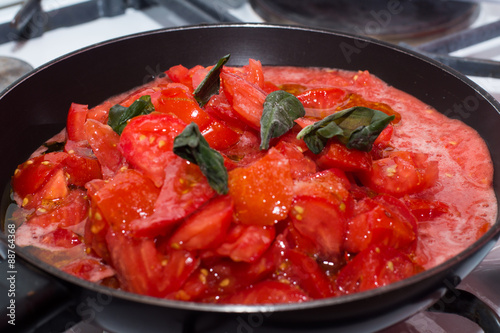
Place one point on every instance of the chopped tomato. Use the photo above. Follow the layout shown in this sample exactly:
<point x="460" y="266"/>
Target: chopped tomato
<point x="246" y="151"/>
<point x="337" y="155"/>
<point x="401" y="173"/>
<point x="88" y="269"/>
<point x="181" y="74"/>
<point x="126" y="197"/>
<point x="206" y="228"/>
<point x="64" y="212"/>
<point x="253" y="73"/>
<point x="144" y="270"/>
<point x="185" y="189"/>
<point x="61" y="237"/>
<point x="268" y="292"/>
<point x="219" y="136"/>
<point x="219" y="107"/>
<point x="104" y="142"/>
<point x="100" y="112"/>
<point x="176" y="99"/>
<point x="77" y="116"/>
<point x="425" y="210"/>
<point x="246" y="98"/>
<point x="246" y="242"/>
<point x="382" y="220"/>
<point x="322" y="98"/>
<point x="331" y="185"/>
<point x="306" y="273"/>
<point x="320" y="221"/>
<point x="301" y="166"/>
<point x="33" y="175"/>
<point x="376" y="266"/>
<point x="262" y="192"/>
<point x="147" y="141"/>
<point x="153" y="92"/>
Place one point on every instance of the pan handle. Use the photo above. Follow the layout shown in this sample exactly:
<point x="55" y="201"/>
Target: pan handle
<point x="466" y="304"/>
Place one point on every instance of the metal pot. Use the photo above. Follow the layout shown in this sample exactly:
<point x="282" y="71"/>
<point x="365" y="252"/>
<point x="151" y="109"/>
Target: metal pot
<point x="35" y="107"/>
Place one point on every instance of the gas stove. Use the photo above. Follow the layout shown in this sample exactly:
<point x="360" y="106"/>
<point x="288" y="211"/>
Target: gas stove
<point x="45" y="30"/>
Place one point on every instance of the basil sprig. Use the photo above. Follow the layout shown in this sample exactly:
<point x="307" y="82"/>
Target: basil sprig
<point x="280" y="110"/>
<point x="119" y="115"/>
<point x="192" y="146"/>
<point x="356" y="127"/>
<point x="210" y="84"/>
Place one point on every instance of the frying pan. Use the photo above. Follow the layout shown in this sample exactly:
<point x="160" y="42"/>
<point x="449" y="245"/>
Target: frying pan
<point x="35" y="107"/>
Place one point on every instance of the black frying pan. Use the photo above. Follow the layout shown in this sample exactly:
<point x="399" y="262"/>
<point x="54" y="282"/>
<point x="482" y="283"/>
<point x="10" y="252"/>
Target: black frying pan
<point x="35" y="107"/>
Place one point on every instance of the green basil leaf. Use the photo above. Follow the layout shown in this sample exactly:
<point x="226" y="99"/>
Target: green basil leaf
<point x="192" y="146"/>
<point x="280" y="110"/>
<point x="211" y="83"/>
<point x="356" y="127"/>
<point x="120" y="115"/>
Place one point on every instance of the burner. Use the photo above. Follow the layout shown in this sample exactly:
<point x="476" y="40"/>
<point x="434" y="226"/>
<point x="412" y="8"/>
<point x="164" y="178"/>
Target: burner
<point x="384" y="19"/>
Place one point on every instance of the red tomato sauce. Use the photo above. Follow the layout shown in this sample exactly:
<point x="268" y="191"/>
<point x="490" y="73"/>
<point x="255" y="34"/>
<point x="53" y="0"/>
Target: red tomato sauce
<point x="123" y="210"/>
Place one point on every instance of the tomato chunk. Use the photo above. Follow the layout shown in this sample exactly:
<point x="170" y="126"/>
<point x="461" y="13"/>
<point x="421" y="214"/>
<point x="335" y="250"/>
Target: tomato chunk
<point x="126" y="197"/>
<point x="337" y="155"/>
<point x="104" y="142"/>
<point x="262" y="192"/>
<point x="322" y="98"/>
<point x="320" y="221"/>
<point x="374" y="267"/>
<point x="147" y="141"/>
<point x="383" y="220"/>
<point x="206" y="228"/>
<point x="185" y="189"/>
<point x="144" y="270"/>
<point x="247" y="242"/>
<point x="246" y="99"/>
<point x="268" y="292"/>
<point x="77" y="115"/>
<point x="401" y="173"/>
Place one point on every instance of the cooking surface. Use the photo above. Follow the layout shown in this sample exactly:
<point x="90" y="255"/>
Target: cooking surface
<point x="483" y="282"/>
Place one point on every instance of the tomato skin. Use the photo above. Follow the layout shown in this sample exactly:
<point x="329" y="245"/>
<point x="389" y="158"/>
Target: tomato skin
<point x="401" y="173"/>
<point x="206" y="228"/>
<point x="337" y="155"/>
<point x="77" y="116"/>
<point x="147" y="141"/>
<point x="268" y="292"/>
<point x="184" y="190"/>
<point x="376" y="266"/>
<point x="256" y="200"/>
<point x="246" y="99"/>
